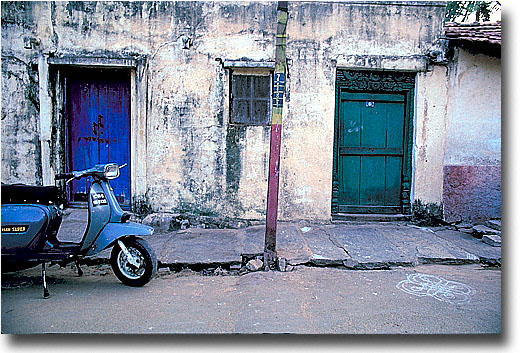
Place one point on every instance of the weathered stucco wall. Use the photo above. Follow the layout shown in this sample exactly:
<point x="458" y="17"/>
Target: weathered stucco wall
<point x="323" y="38"/>
<point x="472" y="172"/>
<point x="20" y="99"/>
<point x="473" y="135"/>
<point x="194" y="159"/>
<point x="430" y="130"/>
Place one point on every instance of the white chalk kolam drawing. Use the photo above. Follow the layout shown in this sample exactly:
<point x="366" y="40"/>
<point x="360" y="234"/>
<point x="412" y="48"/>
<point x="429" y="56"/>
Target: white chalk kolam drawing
<point x="421" y="285"/>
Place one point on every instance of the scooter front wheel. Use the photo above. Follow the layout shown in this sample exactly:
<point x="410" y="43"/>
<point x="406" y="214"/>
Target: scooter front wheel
<point x="137" y="270"/>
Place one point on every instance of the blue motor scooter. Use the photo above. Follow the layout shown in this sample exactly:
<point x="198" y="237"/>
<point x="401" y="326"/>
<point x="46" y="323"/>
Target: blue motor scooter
<point x="31" y="218"/>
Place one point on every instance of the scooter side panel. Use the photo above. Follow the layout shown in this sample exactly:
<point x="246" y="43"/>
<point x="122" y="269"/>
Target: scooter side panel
<point x="114" y="231"/>
<point x="117" y="213"/>
<point x="23" y="227"/>
<point x="99" y="215"/>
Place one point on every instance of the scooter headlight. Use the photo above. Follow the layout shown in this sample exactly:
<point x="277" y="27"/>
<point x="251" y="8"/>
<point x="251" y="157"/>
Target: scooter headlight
<point x="111" y="171"/>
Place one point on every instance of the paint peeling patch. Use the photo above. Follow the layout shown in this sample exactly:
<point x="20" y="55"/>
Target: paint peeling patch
<point x="354" y="127"/>
<point x="423" y="285"/>
<point x="472" y="193"/>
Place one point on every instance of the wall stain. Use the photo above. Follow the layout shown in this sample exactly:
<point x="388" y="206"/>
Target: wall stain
<point x="234" y="136"/>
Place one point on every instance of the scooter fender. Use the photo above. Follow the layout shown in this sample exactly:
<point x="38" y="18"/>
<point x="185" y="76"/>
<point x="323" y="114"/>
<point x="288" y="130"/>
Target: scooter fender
<point x="114" y="231"/>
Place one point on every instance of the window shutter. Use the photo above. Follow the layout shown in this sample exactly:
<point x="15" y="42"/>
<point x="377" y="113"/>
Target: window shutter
<point x="251" y="99"/>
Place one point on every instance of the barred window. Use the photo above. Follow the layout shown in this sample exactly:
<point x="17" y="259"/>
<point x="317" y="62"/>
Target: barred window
<point x="250" y="99"/>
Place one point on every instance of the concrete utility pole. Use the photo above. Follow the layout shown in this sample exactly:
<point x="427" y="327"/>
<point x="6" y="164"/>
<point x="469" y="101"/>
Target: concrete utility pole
<point x="276" y="136"/>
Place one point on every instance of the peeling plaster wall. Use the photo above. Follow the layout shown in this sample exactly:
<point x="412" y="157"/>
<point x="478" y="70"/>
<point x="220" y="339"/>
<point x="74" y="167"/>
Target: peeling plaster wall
<point x="322" y="38"/>
<point x="472" y="163"/>
<point x="430" y="130"/>
<point x="21" y="160"/>
<point x="473" y="135"/>
<point x="194" y="159"/>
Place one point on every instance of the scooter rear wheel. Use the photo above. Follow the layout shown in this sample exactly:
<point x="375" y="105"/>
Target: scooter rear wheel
<point x="128" y="273"/>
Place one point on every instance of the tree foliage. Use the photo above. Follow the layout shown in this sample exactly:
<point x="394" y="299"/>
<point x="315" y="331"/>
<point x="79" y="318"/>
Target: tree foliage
<point x="460" y="11"/>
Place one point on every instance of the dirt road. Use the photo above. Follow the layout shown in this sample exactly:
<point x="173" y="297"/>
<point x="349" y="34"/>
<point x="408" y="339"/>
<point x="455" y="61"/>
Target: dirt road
<point x="425" y="299"/>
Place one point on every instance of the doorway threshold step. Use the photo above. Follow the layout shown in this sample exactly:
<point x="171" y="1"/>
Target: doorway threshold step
<point x="369" y="217"/>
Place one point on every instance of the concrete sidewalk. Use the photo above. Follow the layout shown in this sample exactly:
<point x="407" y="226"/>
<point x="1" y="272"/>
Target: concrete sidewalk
<point x="353" y="245"/>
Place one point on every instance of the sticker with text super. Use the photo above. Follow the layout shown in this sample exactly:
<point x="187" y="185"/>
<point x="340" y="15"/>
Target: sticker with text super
<point x="14" y="229"/>
<point x="99" y="199"/>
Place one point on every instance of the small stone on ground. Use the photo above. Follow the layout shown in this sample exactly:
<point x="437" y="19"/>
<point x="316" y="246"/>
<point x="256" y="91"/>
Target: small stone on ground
<point x="254" y="265"/>
<point x="493" y="240"/>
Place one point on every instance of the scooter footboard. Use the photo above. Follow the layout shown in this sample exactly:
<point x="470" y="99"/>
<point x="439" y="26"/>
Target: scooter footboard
<point x="113" y="231"/>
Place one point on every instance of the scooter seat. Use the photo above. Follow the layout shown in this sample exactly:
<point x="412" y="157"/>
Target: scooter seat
<point x="28" y="194"/>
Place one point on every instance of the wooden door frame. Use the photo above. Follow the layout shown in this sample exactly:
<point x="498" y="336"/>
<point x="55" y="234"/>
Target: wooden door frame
<point x="75" y="73"/>
<point x="377" y="82"/>
<point x="53" y="116"/>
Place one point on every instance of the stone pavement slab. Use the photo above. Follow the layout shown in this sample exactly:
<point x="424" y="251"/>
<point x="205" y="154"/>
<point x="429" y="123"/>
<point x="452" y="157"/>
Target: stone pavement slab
<point x="253" y="241"/>
<point x="355" y="245"/>
<point x="325" y="252"/>
<point x="291" y="245"/>
<point x="368" y="247"/>
<point x="158" y="242"/>
<point x="202" y="246"/>
<point x="486" y="253"/>
<point x="426" y="247"/>
<point x="297" y="243"/>
<point x="493" y="240"/>
<point x="494" y="224"/>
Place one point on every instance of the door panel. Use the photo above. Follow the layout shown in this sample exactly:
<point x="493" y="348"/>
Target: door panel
<point x="371" y="151"/>
<point x="372" y="181"/>
<point x="99" y="127"/>
<point x="349" y="182"/>
<point x="393" y="172"/>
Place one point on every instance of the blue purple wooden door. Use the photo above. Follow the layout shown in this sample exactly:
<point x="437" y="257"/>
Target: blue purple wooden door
<point x="99" y="127"/>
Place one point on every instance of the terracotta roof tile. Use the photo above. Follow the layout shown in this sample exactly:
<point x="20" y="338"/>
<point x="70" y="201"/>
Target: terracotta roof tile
<point x="477" y="32"/>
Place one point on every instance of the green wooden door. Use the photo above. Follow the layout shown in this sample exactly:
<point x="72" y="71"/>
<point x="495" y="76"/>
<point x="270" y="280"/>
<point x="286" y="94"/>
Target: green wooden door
<point x="370" y="152"/>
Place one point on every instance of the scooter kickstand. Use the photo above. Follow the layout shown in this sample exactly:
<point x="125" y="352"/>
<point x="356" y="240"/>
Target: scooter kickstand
<point x="80" y="271"/>
<point x="46" y="293"/>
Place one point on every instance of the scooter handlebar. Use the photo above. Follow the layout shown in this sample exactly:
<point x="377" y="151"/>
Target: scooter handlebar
<point x="99" y="170"/>
<point x="64" y="176"/>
